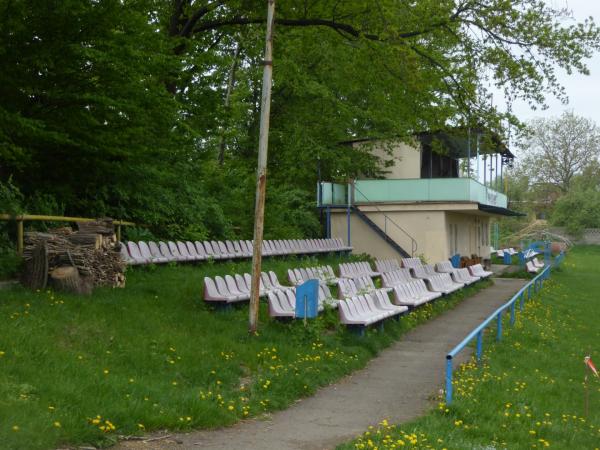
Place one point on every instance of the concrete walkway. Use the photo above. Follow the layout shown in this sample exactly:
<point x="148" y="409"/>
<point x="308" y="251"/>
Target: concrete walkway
<point x="398" y="385"/>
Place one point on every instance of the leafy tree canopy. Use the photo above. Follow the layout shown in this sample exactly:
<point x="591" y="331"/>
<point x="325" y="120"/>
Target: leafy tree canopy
<point x="148" y="110"/>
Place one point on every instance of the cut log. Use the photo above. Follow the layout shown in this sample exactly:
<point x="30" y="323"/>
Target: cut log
<point x="67" y="279"/>
<point x="89" y="239"/>
<point x="101" y="226"/>
<point x="94" y="252"/>
<point x="35" y="275"/>
<point x="62" y="231"/>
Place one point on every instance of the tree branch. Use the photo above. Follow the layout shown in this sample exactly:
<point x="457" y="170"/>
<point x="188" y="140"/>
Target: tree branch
<point x="188" y="28"/>
<point x="337" y="26"/>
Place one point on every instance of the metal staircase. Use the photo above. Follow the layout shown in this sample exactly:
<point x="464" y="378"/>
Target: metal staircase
<point x="383" y="233"/>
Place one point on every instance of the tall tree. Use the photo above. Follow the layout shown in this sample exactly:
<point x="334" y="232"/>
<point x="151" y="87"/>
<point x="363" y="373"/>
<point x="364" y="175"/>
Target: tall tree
<point x="557" y="149"/>
<point x="119" y="107"/>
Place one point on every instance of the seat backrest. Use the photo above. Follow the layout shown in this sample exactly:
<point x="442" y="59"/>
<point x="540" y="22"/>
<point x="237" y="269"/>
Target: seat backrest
<point x="347" y="287"/>
<point x="200" y="250"/>
<point x="230" y="248"/>
<point x="361" y="305"/>
<point x="215" y="250"/>
<point x="125" y="256"/>
<point x="429" y="269"/>
<point x="240" y="281"/>
<point x="274" y="279"/>
<point x="275" y="303"/>
<point x="182" y="249"/>
<point x="324" y="292"/>
<point x="222" y="286"/>
<point x="243" y="247"/>
<point x="145" y="250"/>
<point x="292" y="276"/>
<point x="173" y="248"/>
<point x="134" y="250"/>
<point x="248" y="279"/>
<point x="231" y="285"/>
<point x="166" y="251"/>
<point x="191" y="248"/>
<point x="365" y="283"/>
<point x="380" y="299"/>
<point x="419" y="272"/>
<point x="266" y="281"/>
<point x="402" y="292"/>
<point x="154" y="250"/>
<point x="344" y="312"/>
<point x="223" y="248"/>
<point x="210" y="288"/>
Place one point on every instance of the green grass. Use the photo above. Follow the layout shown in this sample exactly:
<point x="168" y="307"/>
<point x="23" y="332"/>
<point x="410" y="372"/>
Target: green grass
<point x="521" y="273"/>
<point x="155" y="356"/>
<point x="530" y="390"/>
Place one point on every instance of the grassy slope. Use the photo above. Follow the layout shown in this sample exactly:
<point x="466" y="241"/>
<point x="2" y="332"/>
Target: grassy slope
<point x="154" y="356"/>
<point x="530" y="391"/>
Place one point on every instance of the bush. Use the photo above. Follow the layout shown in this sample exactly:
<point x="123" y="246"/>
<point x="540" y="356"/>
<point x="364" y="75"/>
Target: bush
<point x="577" y="210"/>
<point x="10" y="264"/>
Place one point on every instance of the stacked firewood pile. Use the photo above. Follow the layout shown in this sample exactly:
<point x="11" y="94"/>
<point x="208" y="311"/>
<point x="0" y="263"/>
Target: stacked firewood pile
<point x="74" y="261"/>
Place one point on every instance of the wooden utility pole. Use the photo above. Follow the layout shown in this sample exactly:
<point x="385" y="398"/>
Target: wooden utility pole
<point x="261" y="174"/>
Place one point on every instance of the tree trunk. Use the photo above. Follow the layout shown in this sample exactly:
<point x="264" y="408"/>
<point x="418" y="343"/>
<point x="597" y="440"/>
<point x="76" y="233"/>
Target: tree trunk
<point x="230" y="83"/>
<point x="35" y="275"/>
<point x="67" y="279"/>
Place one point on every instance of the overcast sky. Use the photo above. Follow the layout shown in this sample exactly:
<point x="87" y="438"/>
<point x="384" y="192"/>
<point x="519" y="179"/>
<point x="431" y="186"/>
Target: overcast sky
<point x="583" y="91"/>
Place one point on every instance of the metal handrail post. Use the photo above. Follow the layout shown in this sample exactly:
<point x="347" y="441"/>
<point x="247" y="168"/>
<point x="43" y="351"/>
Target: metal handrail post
<point x="479" y="350"/>
<point x="522" y="301"/>
<point x="499" y="326"/>
<point x="512" y="313"/>
<point x="448" y="380"/>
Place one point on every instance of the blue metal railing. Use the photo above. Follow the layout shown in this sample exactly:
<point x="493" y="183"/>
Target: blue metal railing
<point x="536" y="284"/>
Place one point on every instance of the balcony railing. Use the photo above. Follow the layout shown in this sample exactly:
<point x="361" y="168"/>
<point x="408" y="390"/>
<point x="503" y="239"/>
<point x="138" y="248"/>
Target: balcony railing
<point x="411" y="190"/>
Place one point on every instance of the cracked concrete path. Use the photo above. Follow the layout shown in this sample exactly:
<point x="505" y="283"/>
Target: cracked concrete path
<point x="397" y="385"/>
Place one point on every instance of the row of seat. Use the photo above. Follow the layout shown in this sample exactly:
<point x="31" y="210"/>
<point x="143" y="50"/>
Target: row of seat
<point x="534" y="265"/>
<point x="324" y="274"/>
<point x="351" y="287"/>
<point x="386" y="265"/>
<point x="282" y="302"/>
<point x="412" y="284"/>
<point x="510" y="251"/>
<point x="367" y="309"/>
<point x="357" y="269"/>
<point x="139" y="253"/>
<point x="360" y="302"/>
<point x="236" y="288"/>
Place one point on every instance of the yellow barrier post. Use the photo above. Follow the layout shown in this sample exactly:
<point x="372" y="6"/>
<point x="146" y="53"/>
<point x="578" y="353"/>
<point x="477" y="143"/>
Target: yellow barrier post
<point x="20" y="235"/>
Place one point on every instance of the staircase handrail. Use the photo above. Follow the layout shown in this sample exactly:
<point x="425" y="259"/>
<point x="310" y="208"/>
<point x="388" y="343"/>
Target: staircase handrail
<point x="414" y="244"/>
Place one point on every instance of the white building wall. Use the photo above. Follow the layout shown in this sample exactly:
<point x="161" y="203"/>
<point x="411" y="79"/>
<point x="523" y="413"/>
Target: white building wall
<point x="405" y="159"/>
<point x="439" y="234"/>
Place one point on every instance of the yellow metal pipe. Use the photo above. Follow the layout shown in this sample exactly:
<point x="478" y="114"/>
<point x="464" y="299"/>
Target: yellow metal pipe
<point x="33" y="217"/>
<point x="20" y="237"/>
